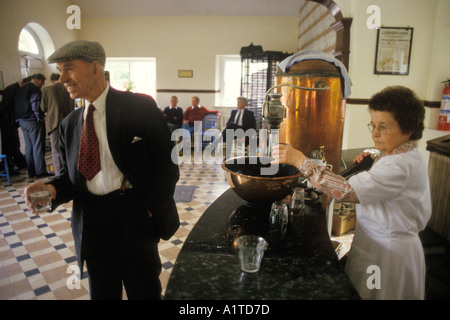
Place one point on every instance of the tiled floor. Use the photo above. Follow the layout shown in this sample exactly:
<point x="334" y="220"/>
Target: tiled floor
<point x="37" y="254"/>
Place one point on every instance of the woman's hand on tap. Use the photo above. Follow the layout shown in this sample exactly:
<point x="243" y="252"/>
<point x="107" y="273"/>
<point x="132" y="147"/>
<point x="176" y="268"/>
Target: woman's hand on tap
<point x="285" y="153"/>
<point x="360" y="157"/>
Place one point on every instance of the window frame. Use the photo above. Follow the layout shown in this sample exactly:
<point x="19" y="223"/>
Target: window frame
<point x="220" y="99"/>
<point x="30" y="60"/>
<point x="130" y="60"/>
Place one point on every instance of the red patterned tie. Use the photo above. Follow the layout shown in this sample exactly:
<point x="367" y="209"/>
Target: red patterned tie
<point x="89" y="154"/>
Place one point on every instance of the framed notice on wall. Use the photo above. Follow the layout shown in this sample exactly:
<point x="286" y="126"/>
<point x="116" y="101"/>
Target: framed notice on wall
<point x="393" y="53"/>
<point x="185" y="73"/>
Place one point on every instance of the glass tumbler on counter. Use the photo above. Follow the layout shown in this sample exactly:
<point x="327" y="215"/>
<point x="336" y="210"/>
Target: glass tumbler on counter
<point x="298" y="201"/>
<point x="279" y="216"/>
<point x="251" y="252"/>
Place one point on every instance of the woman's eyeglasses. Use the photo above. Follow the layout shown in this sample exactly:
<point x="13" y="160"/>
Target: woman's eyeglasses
<point x="381" y="129"/>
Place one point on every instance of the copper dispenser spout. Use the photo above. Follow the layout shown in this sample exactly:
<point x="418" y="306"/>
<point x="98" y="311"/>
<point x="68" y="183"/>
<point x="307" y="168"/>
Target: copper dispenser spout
<point x="274" y="111"/>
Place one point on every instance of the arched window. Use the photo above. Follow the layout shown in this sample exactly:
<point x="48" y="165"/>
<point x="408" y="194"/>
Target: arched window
<point x="31" y="55"/>
<point x="27" y="42"/>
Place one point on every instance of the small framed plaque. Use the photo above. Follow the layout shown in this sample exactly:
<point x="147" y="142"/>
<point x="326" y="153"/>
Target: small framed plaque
<point x="185" y="73"/>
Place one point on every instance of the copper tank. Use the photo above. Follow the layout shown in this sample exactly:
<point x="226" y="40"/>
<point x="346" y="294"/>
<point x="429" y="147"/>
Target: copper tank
<point x="313" y="119"/>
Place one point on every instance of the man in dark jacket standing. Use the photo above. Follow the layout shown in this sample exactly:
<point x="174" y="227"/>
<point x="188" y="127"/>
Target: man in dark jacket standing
<point x="9" y="127"/>
<point x="28" y="113"/>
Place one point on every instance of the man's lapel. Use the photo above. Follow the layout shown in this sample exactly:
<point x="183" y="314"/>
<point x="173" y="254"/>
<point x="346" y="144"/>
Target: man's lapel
<point x="233" y="115"/>
<point x="113" y="115"/>
<point x="244" y="115"/>
<point x="76" y="143"/>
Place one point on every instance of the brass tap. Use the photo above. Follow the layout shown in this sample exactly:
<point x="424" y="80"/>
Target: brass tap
<point x="322" y="154"/>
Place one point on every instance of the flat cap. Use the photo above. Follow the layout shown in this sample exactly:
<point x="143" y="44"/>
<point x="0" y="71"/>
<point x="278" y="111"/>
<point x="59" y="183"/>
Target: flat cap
<point x="88" y="51"/>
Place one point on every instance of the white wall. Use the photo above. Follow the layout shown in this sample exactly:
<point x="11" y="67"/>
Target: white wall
<point x="188" y="43"/>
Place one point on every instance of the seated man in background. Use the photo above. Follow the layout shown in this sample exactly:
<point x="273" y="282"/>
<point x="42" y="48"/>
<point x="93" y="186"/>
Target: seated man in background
<point x="173" y="114"/>
<point x="240" y="118"/>
<point x="195" y="112"/>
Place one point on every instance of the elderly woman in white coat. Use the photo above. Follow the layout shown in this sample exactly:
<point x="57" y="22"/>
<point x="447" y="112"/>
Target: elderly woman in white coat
<point x="393" y="199"/>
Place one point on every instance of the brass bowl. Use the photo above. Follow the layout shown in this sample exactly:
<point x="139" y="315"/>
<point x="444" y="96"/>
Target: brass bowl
<point x="245" y="178"/>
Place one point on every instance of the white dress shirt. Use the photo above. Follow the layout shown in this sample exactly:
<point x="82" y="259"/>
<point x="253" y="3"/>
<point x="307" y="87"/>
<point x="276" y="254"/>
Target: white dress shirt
<point x="239" y="117"/>
<point x="110" y="177"/>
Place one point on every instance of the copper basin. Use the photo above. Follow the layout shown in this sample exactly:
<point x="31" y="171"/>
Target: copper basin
<point x="244" y="177"/>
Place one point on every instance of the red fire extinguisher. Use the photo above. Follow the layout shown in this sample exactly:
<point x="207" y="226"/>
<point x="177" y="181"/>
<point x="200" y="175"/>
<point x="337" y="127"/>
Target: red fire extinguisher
<point x="444" y="115"/>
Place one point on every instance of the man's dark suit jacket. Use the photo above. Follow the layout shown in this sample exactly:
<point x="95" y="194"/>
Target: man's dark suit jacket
<point x="7" y="103"/>
<point x="27" y="103"/>
<point x="248" y="119"/>
<point x="140" y="145"/>
<point x="7" y="122"/>
<point x="174" y="112"/>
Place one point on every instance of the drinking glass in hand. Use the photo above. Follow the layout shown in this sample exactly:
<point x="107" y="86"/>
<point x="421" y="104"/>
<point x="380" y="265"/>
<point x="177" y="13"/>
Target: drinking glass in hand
<point x="41" y="200"/>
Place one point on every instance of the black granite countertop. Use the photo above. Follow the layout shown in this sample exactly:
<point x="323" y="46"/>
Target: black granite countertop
<point x="301" y="264"/>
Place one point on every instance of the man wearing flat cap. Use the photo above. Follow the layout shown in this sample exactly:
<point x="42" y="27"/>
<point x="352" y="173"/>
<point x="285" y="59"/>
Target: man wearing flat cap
<point x="117" y="169"/>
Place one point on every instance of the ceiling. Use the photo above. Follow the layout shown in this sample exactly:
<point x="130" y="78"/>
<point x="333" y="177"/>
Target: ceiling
<point x="130" y="8"/>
